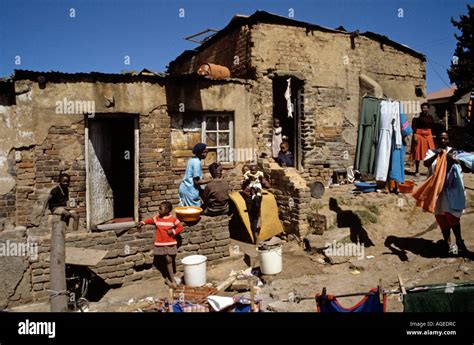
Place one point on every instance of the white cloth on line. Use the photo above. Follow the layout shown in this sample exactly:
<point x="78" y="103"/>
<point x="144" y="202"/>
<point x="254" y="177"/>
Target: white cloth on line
<point x="389" y="125"/>
<point x="289" y="106"/>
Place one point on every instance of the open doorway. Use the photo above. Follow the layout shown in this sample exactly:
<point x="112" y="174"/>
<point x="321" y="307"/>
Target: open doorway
<point x="290" y="120"/>
<point x="112" y="168"/>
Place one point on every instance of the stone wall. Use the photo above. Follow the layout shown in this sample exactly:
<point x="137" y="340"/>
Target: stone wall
<point x="129" y="257"/>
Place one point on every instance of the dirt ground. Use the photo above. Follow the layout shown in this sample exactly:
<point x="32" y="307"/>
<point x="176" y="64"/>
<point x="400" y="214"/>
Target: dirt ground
<point x="402" y="238"/>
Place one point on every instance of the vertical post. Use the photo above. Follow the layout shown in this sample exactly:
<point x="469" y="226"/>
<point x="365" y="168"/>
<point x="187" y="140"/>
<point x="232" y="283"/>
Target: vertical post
<point x="57" y="270"/>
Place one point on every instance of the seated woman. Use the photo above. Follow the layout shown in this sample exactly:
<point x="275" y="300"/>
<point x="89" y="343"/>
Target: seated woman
<point x="216" y="194"/>
<point x="190" y="188"/>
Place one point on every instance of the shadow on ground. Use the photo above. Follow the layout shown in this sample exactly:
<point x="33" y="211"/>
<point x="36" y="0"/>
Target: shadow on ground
<point x="419" y="246"/>
<point x="348" y="219"/>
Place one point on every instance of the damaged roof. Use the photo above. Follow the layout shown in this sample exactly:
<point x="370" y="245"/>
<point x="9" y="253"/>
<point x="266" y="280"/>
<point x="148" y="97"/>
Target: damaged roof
<point x="126" y="77"/>
<point x="270" y="18"/>
<point x="58" y="77"/>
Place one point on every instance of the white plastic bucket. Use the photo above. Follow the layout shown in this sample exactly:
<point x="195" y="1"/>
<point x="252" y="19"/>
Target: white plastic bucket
<point x="194" y="270"/>
<point x="270" y="260"/>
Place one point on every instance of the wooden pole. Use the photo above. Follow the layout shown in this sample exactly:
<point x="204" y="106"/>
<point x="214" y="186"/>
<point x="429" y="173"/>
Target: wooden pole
<point x="57" y="270"/>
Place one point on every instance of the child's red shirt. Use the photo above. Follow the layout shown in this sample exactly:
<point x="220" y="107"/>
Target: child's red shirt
<point x="162" y="226"/>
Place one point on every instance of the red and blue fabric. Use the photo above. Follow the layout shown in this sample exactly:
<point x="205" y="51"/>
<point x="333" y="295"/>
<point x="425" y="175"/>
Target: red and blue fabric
<point x="369" y="304"/>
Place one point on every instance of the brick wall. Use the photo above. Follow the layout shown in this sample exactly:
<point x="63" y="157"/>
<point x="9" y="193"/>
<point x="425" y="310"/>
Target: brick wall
<point x="130" y="255"/>
<point x="292" y="195"/>
<point x="232" y="51"/>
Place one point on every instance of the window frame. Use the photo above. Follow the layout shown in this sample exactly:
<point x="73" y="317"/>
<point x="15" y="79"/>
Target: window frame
<point x="204" y="132"/>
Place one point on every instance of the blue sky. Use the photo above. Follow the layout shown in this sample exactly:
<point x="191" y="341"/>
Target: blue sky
<point x="45" y="36"/>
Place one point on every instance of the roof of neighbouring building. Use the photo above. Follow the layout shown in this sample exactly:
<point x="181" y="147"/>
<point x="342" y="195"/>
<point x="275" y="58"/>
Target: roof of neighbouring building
<point x="443" y="93"/>
<point x="270" y="18"/>
<point x="464" y="99"/>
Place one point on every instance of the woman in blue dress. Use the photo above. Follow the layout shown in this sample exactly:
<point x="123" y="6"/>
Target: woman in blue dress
<point x="189" y="189"/>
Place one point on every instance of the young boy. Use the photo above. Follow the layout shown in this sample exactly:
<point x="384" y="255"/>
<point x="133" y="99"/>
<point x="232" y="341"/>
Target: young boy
<point x="285" y="157"/>
<point x="57" y="201"/>
<point x="216" y="194"/>
<point x="167" y="227"/>
<point x="252" y="193"/>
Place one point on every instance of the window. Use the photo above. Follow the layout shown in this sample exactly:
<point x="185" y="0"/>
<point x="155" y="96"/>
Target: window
<point x="218" y="135"/>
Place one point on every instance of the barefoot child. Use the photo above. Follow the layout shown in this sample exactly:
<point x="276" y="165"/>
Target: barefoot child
<point x="167" y="227"/>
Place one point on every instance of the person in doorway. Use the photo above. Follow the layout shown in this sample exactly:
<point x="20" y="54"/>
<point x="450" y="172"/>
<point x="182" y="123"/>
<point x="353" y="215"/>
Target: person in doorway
<point x="285" y="157"/>
<point x="190" y="187"/>
<point x="216" y="194"/>
<point x="451" y="202"/>
<point x="277" y="137"/>
<point x="58" y="199"/>
<point x="422" y="139"/>
<point x="167" y="228"/>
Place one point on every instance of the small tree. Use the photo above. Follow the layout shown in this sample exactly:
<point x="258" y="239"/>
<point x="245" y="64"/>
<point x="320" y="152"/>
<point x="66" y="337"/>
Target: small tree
<point x="461" y="71"/>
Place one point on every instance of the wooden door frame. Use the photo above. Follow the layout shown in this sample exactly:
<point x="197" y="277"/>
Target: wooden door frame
<point x="136" y="134"/>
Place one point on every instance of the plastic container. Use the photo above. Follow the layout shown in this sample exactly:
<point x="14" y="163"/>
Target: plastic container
<point x="271" y="261"/>
<point x="188" y="213"/>
<point x="194" y="270"/>
<point x="366" y="187"/>
<point x="405" y="187"/>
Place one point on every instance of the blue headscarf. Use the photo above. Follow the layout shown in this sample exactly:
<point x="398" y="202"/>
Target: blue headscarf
<point x="199" y="148"/>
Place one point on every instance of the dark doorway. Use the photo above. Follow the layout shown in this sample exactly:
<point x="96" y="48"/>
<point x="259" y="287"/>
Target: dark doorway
<point x="111" y="168"/>
<point x="290" y="124"/>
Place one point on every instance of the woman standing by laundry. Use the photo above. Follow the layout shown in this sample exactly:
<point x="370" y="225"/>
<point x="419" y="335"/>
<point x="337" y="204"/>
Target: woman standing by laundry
<point x="190" y="187"/>
<point x="422" y="137"/>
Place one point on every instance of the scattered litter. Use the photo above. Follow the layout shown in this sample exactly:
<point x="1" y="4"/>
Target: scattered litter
<point x="370" y="257"/>
<point x="355" y="272"/>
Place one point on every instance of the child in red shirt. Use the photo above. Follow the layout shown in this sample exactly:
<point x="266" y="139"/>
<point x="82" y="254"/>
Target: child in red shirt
<point x="167" y="227"/>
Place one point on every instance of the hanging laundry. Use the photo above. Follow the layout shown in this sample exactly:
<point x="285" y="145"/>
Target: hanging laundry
<point x="389" y="124"/>
<point x="440" y="299"/>
<point x="397" y="162"/>
<point x="427" y="194"/>
<point x="289" y="105"/>
<point x="370" y="303"/>
<point x="453" y="196"/>
<point x="367" y="135"/>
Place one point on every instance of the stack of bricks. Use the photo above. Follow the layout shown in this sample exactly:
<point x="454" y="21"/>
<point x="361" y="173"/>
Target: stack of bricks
<point x="292" y="195"/>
